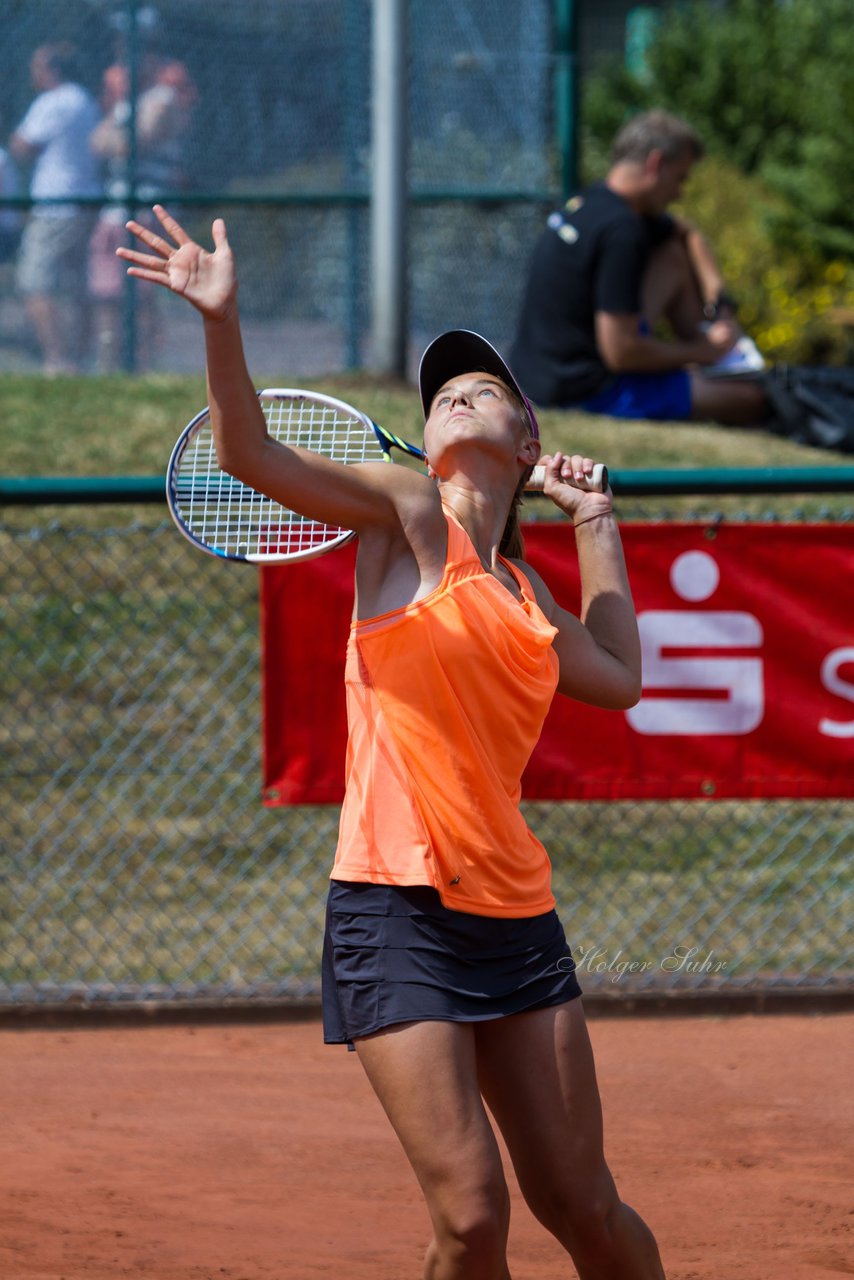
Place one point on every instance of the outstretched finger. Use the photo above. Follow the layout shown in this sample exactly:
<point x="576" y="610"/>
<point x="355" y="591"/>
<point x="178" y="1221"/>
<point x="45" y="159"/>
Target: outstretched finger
<point x="168" y="223"/>
<point x="156" y="277"/>
<point x="146" y="260"/>
<point x="151" y="238"/>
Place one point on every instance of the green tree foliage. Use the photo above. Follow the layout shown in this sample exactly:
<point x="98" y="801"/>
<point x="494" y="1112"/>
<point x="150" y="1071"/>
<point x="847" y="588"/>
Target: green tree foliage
<point x="770" y="87"/>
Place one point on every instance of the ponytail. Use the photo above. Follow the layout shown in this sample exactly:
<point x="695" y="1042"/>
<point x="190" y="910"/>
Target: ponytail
<point x="512" y="545"/>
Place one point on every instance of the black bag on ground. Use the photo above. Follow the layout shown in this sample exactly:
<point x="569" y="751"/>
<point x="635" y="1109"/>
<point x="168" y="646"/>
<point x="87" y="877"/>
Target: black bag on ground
<point x="813" y="405"/>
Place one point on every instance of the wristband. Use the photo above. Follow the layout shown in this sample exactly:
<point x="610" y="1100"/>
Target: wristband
<point x="577" y="523"/>
<point x="723" y="302"/>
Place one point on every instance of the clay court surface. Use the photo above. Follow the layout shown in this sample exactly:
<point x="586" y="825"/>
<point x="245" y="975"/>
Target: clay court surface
<point x="245" y="1152"/>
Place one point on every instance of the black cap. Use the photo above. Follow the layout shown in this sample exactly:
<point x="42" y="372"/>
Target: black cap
<point x="462" y="351"/>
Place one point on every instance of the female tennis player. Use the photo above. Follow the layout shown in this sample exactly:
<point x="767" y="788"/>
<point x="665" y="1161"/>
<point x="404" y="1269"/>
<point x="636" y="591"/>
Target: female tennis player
<point x="445" y="965"/>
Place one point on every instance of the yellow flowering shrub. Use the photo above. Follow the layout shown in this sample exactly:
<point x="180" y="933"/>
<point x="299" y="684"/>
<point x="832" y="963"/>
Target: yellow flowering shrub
<point x="793" y="305"/>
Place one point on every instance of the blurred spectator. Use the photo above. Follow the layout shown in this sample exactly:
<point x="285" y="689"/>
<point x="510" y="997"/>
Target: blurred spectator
<point x="54" y="137"/>
<point x="607" y="269"/>
<point x="163" y="114"/>
<point x="11" y="220"/>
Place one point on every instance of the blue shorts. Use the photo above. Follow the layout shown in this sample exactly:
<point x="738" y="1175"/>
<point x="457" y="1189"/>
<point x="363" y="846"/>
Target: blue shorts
<point x="394" y="954"/>
<point x="663" y="397"/>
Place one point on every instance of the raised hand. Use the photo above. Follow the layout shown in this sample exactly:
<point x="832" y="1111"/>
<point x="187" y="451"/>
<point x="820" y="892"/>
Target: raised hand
<point x="565" y="479"/>
<point x="207" y="280"/>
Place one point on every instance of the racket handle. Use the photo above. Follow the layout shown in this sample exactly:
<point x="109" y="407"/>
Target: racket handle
<point x="597" y="483"/>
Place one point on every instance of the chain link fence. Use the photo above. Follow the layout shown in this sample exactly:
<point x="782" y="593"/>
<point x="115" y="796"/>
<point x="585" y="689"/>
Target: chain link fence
<point x="266" y="110"/>
<point x="138" y="863"/>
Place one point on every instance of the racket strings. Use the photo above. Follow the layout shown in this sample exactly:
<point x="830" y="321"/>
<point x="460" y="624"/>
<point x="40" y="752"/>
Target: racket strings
<point x="236" y="520"/>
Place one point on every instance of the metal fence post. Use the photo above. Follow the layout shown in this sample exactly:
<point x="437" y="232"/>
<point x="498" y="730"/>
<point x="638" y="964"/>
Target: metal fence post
<point x="566" y="88"/>
<point x="129" y="297"/>
<point x="388" y="205"/>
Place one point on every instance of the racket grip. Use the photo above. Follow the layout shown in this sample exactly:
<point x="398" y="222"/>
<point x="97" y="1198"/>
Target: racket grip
<point x="597" y="483"/>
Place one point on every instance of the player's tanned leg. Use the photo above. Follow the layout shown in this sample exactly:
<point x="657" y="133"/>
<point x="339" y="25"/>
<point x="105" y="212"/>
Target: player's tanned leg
<point x="425" y="1076"/>
<point x="538" y="1077"/>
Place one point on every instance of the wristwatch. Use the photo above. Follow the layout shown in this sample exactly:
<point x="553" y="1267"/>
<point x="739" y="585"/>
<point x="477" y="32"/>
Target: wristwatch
<point x="723" y="302"/>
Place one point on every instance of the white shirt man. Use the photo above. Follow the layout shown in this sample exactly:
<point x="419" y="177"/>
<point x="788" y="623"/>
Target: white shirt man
<point x="54" y="137"/>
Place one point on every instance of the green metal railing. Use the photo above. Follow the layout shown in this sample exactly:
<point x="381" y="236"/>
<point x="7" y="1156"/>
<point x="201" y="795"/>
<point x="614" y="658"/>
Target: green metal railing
<point x="89" y="490"/>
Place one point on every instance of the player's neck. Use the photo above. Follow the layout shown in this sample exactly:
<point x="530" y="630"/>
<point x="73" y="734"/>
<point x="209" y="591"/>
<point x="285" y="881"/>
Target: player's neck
<point x="483" y="516"/>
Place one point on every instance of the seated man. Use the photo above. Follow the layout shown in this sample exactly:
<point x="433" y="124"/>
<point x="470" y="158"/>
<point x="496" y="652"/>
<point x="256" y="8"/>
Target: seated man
<point x="608" y="267"/>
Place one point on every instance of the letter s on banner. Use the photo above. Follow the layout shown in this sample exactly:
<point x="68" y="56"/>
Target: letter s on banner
<point x="833" y="682"/>
<point x="717" y="695"/>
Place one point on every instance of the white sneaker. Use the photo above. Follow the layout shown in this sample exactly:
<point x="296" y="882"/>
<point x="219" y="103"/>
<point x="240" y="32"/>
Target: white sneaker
<point x="744" y="357"/>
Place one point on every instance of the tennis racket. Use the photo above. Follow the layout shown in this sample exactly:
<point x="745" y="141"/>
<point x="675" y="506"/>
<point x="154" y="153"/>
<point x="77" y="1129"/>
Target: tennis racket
<point x="227" y="518"/>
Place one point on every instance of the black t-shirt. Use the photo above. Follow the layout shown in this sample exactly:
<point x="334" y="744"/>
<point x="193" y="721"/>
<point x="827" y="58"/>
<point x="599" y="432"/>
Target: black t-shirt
<point x="590" y="257"/>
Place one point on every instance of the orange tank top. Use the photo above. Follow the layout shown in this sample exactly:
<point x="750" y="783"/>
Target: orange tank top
<point x="446" y="699"/>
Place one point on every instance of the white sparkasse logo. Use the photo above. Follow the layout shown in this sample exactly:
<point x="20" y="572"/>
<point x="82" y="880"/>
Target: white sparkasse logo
<point x="717" y="695"/>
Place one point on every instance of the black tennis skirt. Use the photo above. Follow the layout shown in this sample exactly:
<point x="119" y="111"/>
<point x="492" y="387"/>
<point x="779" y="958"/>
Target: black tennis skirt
<point x="396" y="954"/>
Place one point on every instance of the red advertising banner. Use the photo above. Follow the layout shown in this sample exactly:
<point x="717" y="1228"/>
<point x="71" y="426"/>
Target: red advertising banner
<point x="748" y="660"/>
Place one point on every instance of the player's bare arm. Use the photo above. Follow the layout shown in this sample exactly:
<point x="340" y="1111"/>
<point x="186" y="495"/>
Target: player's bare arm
<point x="599" y="653"/>
<point x="359" y="498"/>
